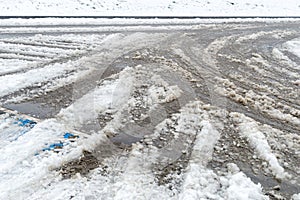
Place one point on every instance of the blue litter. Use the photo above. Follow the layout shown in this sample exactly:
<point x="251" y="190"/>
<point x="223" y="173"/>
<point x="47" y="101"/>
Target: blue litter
<point x="54" y="146"/>
<point x="19" y="127"/>
<point x="59" y="145"/>
<point x="70" y="135"/>
<point x="26" y="122"/>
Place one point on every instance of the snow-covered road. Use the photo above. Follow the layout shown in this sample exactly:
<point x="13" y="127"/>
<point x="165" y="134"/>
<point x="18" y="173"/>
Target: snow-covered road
<point x="135" y="110"/>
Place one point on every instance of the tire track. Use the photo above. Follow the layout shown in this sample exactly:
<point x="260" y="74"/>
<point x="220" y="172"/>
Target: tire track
<point x="186" y="113"/>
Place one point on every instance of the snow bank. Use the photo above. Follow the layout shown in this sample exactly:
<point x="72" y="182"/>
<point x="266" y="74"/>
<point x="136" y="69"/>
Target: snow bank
<point x="151" y="8"/>
<point x="130" y="21"/>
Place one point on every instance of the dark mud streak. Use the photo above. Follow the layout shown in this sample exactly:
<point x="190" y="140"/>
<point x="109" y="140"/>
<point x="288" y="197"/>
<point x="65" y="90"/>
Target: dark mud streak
<point x="83" y="166"/>
<point x="233" y="148"/>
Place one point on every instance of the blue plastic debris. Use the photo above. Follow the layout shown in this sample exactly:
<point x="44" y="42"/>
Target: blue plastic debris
<point x="70" y="135"/>
<point x="21" y="127"/>
<point x="54" y="146"/>
<point x="26" y="122"/>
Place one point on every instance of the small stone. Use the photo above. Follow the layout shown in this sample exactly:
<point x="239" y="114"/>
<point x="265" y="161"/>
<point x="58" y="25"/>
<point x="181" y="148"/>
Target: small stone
<point x="277" y="188"/>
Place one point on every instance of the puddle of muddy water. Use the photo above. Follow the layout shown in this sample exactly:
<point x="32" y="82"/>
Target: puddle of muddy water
<point x="38" y="110"/>
<point x="125" y="139"/>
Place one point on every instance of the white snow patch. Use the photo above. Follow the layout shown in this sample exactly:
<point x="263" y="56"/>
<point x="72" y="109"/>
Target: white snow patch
<point x="293" y="46"/>
<point x="283" y="58"/>
<point x="111" y="95"/>
<point x="249" y="129"/>
<point x="12" y="23"/>
<point x="33" y="76"/>
<point x="21" y="170"/>
<point x="296" y="197"/>
<point x="204" y="144"/>
<point x="137" y="180"/>
<point x="12" y="65"/>
<point x="240" y="187"/>
<point x="150" y="8"/>
<point x="202" y="183"/>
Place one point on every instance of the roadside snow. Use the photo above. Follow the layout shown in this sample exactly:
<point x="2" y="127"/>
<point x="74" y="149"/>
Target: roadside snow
<point x="150" y="8"/>
<point x="283" y="58"/>
<point x="11" y="22"/>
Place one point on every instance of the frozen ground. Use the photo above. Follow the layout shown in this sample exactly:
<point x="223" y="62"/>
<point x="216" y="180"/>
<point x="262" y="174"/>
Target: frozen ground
<point x="109" y="109"/>
<point x="150" y="8"/>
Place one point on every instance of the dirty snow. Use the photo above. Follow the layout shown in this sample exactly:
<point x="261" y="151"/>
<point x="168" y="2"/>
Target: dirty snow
<point x="131" y="177"/>
<point x="27" y="172"/>
<point x="203" y="183"/>
<point x="249" y="129"/>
